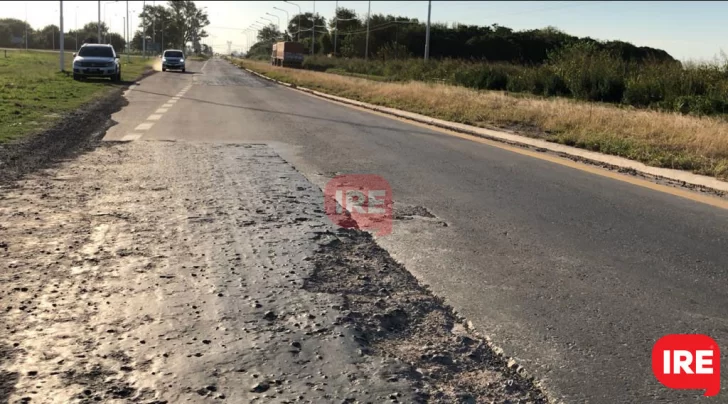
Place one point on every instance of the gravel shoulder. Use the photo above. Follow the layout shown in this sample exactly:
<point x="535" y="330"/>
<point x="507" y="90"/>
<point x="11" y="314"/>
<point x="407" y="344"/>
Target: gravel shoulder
<point x="189" y="272"/>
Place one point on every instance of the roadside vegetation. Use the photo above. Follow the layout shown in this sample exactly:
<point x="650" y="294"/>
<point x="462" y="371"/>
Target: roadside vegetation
<point x="658" y="138"/>
<point x="34" y="94"/>
<point x="581" y="71"/>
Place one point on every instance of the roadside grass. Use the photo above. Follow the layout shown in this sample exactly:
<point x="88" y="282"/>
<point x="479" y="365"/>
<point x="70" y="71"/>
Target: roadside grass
<point x="660" y="139"/>
<point x="34" y="94"/>
<point x="342" y="72"/>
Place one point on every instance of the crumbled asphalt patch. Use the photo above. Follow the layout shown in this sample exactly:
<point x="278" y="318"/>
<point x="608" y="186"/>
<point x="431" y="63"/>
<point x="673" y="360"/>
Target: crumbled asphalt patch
<point x="396" y="317"/>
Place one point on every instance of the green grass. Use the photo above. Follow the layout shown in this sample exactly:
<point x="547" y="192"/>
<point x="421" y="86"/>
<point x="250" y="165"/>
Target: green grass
<point x="34" y="94"/>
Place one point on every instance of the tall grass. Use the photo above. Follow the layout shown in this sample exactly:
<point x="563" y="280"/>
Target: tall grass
<point x="581" y="71"/>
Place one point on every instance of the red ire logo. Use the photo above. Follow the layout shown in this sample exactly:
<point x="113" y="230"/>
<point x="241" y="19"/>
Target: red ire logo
<point x="361" y="201"/>
<point x="687" y="361"/>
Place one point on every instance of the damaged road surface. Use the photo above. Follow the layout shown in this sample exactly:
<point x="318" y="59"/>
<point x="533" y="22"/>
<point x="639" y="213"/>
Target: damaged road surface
<point x="167" y="272"/>
<point x="187" y="258"/>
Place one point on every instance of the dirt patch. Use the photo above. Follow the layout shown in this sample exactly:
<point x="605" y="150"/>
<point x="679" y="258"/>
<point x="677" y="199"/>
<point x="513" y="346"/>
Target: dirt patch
<point x="395" y="317"/>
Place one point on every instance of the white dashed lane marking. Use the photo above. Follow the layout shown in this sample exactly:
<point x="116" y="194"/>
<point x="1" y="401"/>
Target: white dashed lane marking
<point x="157" y="115"/>
<point x="131" y="137"/>
<point x="144" y="126"/>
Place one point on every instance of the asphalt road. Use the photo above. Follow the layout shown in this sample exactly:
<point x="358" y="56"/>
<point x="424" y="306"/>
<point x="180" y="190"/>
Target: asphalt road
<point x="574" y="274"/>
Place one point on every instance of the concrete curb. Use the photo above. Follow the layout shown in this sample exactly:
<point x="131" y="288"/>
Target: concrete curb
<point x="683" y="178"/>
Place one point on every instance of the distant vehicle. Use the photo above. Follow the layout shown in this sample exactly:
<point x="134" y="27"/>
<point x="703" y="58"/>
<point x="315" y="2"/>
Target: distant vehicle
<point x="287" y="54"/>
<point x="96" y="60"/>
<point x="173" y="59"/>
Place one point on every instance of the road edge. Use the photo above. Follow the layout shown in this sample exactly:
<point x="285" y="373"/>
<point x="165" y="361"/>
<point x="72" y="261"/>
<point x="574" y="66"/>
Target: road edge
<point x="674" y="177"/>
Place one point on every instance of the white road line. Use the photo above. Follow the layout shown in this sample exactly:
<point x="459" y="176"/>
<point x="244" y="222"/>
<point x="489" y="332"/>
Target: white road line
<point x="161" y="111"/>
<point x="175" y="99"/>
<point x="144" y="126"/>
<point x="167" y="105"/>
<point x="204" y="65"/>
<point x="131" y="137"/>
<point x="154" y="117"/>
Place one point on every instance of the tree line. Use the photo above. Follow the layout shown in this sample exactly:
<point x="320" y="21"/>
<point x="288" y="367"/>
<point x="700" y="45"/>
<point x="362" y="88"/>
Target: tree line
<point x="398" y="37"/>
<point x="173" y="25"/>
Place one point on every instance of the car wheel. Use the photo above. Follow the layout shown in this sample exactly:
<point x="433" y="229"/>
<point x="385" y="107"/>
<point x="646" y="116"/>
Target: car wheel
<point x="183" y="70"/>
<point x="164" y="69"/>
<point x="76" y="77"/>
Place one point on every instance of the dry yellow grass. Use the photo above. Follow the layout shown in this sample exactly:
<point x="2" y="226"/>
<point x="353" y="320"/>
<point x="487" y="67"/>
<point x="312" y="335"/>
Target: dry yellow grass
<point x="698" y="144"/>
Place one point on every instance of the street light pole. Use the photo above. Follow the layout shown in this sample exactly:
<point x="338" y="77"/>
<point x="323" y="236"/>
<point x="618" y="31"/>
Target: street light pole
<point x="154" y="33"/>
<point x="369" y="15"/>
<point x="126" y="25"/>
<point x="26" y="25"/>
<point x="313" y="28"/>
<point x="298" y="34"/>
<point x="61" y="38"/>
<point x="76" y="24"/>
<point x="107" y="28"/>
<point x="336" y="24"/>
<point x="144" y="29"/>
<point x="288" y="20"/>
<point x="427" y="32"/>
<point x="278" y="18"/>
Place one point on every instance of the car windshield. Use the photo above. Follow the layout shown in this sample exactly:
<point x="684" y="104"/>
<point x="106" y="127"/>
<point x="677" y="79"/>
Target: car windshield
<point x="173" y="54"/>
<point x="100" y="51"/>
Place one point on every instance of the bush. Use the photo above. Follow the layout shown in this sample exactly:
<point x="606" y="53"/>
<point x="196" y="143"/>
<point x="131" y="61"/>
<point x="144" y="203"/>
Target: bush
<point x="590" y="73"/>
<point x="541" y="80"/>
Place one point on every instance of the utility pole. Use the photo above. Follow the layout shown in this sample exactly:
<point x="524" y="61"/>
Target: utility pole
<point x="369" y="15"/>
<point x="98" y="37"/>
<point x="313" y="27"/>
<point x="62" y="49"/>
<point x="336" y="24"/>
<point x="427" y="32"/>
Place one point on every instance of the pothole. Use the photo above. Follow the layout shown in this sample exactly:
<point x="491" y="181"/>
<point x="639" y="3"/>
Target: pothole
<point x="410" y="212"/>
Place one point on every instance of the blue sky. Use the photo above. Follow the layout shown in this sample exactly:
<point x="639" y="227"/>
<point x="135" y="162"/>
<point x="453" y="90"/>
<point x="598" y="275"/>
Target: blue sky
<point x="688" y="30"/>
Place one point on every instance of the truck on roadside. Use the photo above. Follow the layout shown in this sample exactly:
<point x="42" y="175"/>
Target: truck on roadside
<point x="287" y="54"/>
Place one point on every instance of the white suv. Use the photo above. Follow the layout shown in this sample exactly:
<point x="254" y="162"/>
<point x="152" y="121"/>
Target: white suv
<point x="96" y="60"/>
<point x="173" y="59"/>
